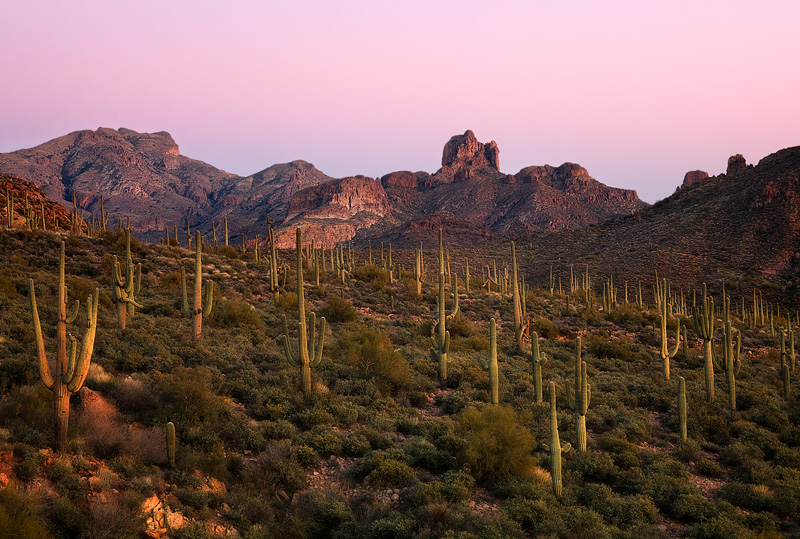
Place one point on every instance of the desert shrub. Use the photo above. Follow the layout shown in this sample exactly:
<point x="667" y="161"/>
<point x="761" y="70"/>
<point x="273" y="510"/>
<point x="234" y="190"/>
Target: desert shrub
<point x="422" y="452"/>
<point x="545" y="328"/>
<point x="709" y="468"/>
<point x="277" y="467"/>
<point x="338" y="310"/>
<point x="235" y="313"/>
<point x="323" y="439"/>
<point x="460" y="326"/>
<point x="602" y="346"/>
<point x="287" y="301"/>
<point x="376" y="276"/>
<point x="496" y="444"/>
<point x="751" y="497"/>
<point x="391" y="473"/>
<point x="373" y="353"/>
<point x="355" y="445"/>
<point x="18" y="516"/>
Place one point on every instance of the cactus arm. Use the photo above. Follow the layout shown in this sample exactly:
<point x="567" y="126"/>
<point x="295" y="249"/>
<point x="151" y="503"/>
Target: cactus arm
<point x="87" y="343"/>
<point x="44" y="368"/>
<point x="320" y="343"/>
<point x="209" y="303"/>
<point x="138" y="287"/>
<point x="116" y="272"/>
<point x="286" y="348"/>
<point x="66" y="377"/>
<point x="72" y="316"/>
<point x="570" y="395"/>
<point x="446" y="349"/>
<point x="677" y="341"/>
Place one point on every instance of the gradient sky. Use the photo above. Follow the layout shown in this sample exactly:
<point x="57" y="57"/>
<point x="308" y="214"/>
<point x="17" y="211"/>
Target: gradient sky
<point x="636" y="92"/>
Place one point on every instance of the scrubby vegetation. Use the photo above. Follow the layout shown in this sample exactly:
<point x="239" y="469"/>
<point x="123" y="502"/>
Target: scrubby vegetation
<point x="366" y="436"/>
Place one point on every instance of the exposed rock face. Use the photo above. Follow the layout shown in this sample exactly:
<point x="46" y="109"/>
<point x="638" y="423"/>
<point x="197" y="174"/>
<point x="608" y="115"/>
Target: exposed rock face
<point x="694" y="176"/>
<point x="331" y="212"/>
<point x="465" y="152"/>
<point x="143" y="175"/>
<point x="736" y="164"/>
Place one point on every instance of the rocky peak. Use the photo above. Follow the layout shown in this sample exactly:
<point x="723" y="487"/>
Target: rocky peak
<point x="692" y="177"/>
<point x="464" y="151"/>
<point x="736" y="164"/>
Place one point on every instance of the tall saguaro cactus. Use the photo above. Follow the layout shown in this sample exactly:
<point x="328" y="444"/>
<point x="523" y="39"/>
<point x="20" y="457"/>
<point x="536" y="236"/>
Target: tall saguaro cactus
<point x="704" y="319"/>
<point x="666" y="354"/>
<point x="730" y="363"/>
<point x="538" y="360"/>
<point x="519" y="336"/>
<point x="70" y="372"/>
<point x="200" y="310"/>
<point x="579" y="398"/>
<point x="304" y="359"/>
<point x="126" y="289"/>
<point x="491" y="363"/>
<point x="440" y="337"/>
<point x="682" y="407"/>
<point x="555" y="448"/>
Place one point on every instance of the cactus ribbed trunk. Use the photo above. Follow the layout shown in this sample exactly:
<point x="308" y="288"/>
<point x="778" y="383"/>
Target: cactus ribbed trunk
<point x="682" y="407"/>
<point x="708" y="369"/>
<point x="198" y="289"/>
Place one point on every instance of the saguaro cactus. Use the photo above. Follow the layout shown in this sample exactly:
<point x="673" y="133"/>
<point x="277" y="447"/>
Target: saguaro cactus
<point x="666" y="354"/>
<point x="579" y="399"/>
<point x="440" y="337"/>
<point x="70" y="372"/>
<point x="682" y="407"/>
<point x="170" y="432"/>
<point x="555" y="448"/>
<point x="538" y="360"/>
<point x="730" y="363"/>
<point x="491" y="363"/>
<point x="199" y="310"/>
<point x="304" y="359"/>
<point x="126" y="290"/>
<point x="519" y="336"/>
<point x="704" y="319"/>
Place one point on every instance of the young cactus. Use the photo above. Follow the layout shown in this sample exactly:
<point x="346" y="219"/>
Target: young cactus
<point x="682" y="407"/>
<point x="70" y="372"/>
<point x="199" y="310"/>
<point x="555" y="448"/>
<point x="730" y="363"/>
<point x="704" y="318"/>
<point x="538" y="360"/>
<point x="170" y="433"/>
<point x="787" y="354"/>
<point x="304" y="359"/>
<point x="491" y="363"/>
<point x="787" y="381"/>
<point x="126" y="290"/>
<point x="579" y="399"/>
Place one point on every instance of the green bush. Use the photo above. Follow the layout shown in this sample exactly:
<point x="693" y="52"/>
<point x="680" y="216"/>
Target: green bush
<point x="373" y="353"/>
<point x="18" y="516"/>
<point x="338" y="310"/>
<point x="496" y="444"/>
<point x="234" y="313"/>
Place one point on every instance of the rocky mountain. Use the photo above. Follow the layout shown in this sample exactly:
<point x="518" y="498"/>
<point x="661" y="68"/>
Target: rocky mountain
<point x="143" y="176"/>
<point x="742" y="226"/>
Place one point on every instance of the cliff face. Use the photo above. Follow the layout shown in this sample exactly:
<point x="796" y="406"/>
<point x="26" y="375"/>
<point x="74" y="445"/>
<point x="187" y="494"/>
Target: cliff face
<point x="143" y="176"/>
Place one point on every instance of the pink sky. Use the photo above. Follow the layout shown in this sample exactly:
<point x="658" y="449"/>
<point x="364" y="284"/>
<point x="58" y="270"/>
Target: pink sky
<point x="636" y="92"/>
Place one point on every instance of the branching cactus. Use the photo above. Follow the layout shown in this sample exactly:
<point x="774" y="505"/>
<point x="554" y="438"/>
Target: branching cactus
<point x="126" y="289"/>
<point x="666" y="354"/>
<point x="682" y="407"/>
<point x="491" y="363"/>
<point x="730" y="363"/>
<point x="579" y="399"/>
<point x="200" y="310"/>
<point x="538" y="360"/>
<point x="440" y="337"/>
<point x="304" y="359"/>
<point x="70" y="370"/>
<point x="555" y="448"/>
<point x="704" y="318"/>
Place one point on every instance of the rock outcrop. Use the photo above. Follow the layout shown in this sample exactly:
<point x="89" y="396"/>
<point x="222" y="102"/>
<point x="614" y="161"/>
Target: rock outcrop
<point x="693" y="177"/>
<point x="736" y="164"/>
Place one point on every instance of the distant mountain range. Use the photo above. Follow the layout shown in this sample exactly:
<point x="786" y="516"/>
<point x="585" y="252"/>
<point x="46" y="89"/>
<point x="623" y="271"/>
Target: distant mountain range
<point x="143" y="176"/>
